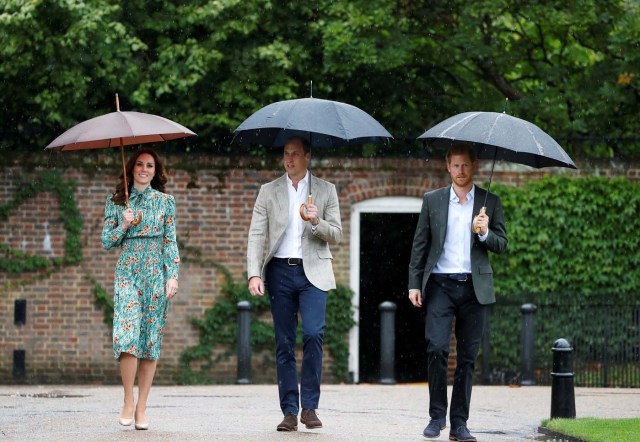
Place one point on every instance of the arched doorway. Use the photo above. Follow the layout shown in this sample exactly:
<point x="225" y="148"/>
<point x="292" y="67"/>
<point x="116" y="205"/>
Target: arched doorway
<point x="381" y="236"/>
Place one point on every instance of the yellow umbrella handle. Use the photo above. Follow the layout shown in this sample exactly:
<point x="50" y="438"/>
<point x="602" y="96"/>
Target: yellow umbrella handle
<point x="303" y="209"/>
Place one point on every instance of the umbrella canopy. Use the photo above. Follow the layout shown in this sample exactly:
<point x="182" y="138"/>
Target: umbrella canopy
<point x="120" y="129"/>
<point x="500" y="136"/>
<point x="323" y="123"/>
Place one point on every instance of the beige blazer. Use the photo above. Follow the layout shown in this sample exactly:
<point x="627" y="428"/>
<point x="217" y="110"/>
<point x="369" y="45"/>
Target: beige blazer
<point x="270" y="219"/>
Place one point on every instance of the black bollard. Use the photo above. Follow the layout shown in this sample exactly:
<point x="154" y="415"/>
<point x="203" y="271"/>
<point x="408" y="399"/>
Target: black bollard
<point x="244" y="342"/>
<point x="563" y="400"/>
<point x="387" y="342"/>
<point x="527" y="343"/>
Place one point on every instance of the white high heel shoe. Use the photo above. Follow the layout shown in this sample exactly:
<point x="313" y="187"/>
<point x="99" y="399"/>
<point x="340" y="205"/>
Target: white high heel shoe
<point x="125" y="422"/>
<point x="141" y="426"/>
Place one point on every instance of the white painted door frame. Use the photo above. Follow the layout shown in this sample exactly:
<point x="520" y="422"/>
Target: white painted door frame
<point x="389" y="204"/>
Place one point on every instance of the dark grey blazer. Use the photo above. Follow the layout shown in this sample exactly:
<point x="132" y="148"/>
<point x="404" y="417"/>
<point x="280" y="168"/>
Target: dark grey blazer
<point x="428" y="241"/>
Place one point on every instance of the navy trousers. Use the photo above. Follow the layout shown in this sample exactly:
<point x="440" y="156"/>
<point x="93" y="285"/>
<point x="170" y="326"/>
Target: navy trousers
<point x="445" y="300"/>
<point x="289" y="292"/>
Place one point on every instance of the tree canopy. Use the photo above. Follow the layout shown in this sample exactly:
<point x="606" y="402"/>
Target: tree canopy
<point x="570" y="67"/>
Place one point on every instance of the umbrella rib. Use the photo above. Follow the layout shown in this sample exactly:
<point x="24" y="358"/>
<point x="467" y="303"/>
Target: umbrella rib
<point x="495" y="123"/>
<point x="457" y="123"/>
<point x="535" y="140"/>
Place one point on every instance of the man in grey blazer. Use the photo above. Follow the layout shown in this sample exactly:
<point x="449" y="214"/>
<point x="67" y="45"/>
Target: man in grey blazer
<point x="451" y="276"/>
<point x="291" y="258"/>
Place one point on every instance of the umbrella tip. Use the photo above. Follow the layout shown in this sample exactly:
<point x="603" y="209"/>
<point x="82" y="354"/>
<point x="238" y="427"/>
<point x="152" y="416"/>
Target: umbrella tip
<point x="506" y="103"/>
<point x="117" y="103"/>
<point x="311" y="89"/>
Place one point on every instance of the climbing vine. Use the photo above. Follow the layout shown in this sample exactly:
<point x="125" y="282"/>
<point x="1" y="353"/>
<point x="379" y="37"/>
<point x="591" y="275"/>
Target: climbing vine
<point x="218" y="328"/>
<point x="16" y="261"/>
<point x="574" y="249"/>
<point x="104" y="300"/>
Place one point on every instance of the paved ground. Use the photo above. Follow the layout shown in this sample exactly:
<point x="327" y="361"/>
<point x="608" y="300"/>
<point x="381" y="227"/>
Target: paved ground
<point x="251" y="413"/>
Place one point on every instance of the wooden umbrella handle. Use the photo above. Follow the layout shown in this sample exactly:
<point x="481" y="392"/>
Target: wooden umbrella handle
<point x="303" y="209"/>
<point x="138" y="218"/>
<point x="474" y="225"/>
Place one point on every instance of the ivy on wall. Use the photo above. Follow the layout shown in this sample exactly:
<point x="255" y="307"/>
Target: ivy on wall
<point x="16" y="261"/>
<point x="218" y="327"/>
<point x="574" y="243"/>
<point x="577" y="235"/>
<point x="104" y="300"/>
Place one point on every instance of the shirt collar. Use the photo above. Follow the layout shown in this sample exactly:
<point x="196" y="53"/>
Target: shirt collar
<point x="454" y="198"/>
<point x="304" y="180"/>
<point x="146" y="191"/>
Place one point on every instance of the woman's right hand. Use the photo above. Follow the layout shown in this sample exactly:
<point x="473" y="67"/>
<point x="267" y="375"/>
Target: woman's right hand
<point x="127" y="218"/>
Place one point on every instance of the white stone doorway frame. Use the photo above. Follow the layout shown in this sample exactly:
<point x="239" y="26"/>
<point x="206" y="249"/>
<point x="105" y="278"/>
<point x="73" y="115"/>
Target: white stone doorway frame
<point x="390" y="204"/>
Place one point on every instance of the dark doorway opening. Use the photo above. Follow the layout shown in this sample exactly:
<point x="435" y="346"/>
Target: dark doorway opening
<point x="385" y="251"/>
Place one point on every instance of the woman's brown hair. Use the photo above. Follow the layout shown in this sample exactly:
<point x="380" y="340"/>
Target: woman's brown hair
<point x="158" y="181"/>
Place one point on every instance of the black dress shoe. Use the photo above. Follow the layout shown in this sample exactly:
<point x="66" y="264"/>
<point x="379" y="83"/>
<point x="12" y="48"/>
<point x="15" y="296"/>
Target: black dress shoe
<point x="435" y="426"/>
<point x="310" y="419"/>
<point x="289" y="423"/>
<point x="461" y="434"/>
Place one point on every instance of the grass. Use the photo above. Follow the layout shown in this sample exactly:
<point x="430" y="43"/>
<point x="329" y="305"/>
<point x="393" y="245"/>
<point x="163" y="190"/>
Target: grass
<point x="596" y="430"/>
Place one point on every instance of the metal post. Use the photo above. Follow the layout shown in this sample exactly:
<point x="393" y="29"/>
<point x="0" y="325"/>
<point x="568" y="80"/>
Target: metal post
<point x="244" y="342"/>
<point x="527" y="343"/>
<point x="563" y="400"/>
<point x="387" y="342"/>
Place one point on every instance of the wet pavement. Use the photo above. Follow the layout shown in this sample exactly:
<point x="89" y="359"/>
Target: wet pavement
<point x="251" y="413"/>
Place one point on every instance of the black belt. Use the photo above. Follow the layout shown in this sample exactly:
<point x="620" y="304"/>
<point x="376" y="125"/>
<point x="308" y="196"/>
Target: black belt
<point x="459" y="277"/>
<point x="290" y="261"/>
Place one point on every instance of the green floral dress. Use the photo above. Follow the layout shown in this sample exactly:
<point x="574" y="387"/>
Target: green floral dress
<point x="148" y="259"/>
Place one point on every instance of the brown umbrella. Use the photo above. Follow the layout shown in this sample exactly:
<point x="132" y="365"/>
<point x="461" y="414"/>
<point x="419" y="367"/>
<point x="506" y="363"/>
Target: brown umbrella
<point x="123" y="129"/>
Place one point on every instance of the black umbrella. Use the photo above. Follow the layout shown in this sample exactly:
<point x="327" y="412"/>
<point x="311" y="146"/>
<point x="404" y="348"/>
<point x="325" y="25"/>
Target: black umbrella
<point x="323" y="123"/>
<point x="499" y="136"/>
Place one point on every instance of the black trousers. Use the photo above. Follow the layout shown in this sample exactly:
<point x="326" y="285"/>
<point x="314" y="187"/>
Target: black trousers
<point x="445" y="300"/>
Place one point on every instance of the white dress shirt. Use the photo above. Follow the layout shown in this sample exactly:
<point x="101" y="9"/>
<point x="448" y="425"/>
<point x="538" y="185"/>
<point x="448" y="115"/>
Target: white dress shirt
<point x="291" y="245"/>
<point x="456" y="253"/>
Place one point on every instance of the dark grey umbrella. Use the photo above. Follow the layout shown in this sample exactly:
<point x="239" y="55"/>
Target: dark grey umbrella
<point x="323" y="123"/>
<point x="499" y="136"/>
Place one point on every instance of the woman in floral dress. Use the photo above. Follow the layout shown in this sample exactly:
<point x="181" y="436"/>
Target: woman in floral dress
<point x="146" y="275"/>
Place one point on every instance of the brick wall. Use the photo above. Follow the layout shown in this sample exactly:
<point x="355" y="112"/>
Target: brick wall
<point x="64" y="336"/>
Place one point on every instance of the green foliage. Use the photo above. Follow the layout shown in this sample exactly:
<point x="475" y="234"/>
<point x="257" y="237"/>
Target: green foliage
<point x="218" y="328"/>
<point x="104" y="300"/>
<point x="571" y="235"/>
<point x="15" y="261"/>
<point x="574" y="249"/>
<point x="570" y="67"/>
<point x="339" y="318"/>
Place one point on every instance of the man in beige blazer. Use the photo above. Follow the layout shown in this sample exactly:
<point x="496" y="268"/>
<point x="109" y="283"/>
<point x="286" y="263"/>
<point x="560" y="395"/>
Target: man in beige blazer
<point x="290" y="257"/>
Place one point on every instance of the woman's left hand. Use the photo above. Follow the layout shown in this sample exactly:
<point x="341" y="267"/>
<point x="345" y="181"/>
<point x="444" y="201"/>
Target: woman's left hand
<point x="171" y="288"/>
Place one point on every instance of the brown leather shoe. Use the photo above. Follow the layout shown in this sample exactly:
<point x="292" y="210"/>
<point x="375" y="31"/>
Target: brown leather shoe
<point x="289" y="423"/>
<point x="310" y="419"/>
